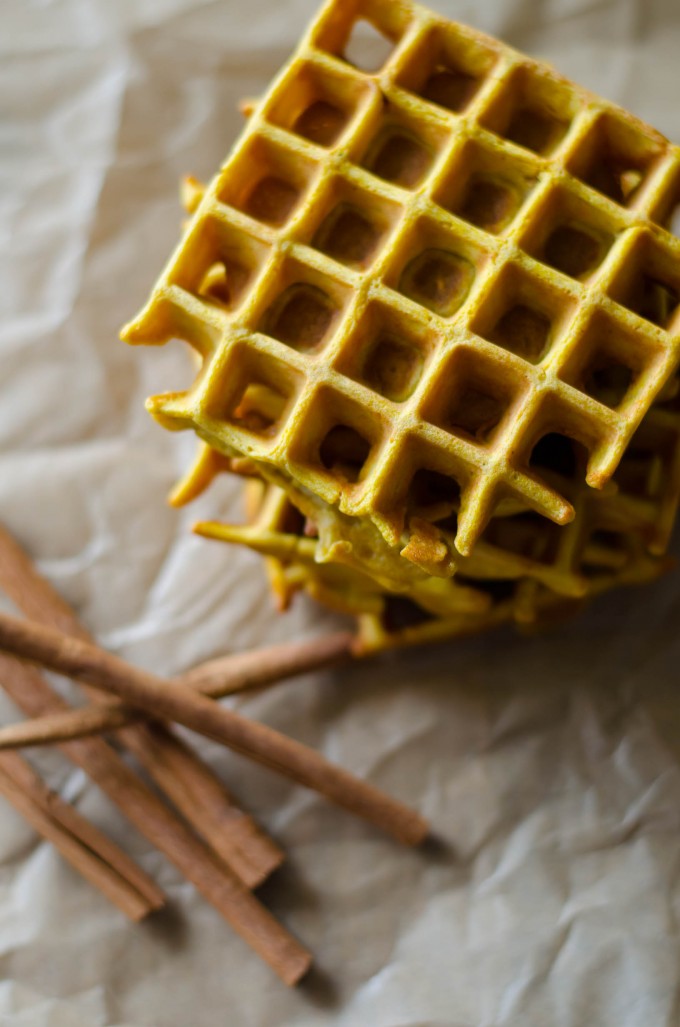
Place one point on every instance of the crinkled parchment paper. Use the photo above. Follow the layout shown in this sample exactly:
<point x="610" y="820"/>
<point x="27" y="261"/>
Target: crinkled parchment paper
<point x="549" y="766"/>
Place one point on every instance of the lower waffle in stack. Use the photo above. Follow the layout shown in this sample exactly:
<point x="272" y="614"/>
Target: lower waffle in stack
<point x="523" y="571"/>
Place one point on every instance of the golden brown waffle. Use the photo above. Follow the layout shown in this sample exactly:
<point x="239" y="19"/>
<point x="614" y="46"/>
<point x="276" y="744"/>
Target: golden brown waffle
<point x="276" y="530"/>
<point x="612" y="532"/>
<point x="425" y="269"/>
<point x="606" y="546"/>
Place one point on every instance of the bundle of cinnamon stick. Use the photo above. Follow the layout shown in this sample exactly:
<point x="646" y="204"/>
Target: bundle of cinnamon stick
<point x="211" y="840"/>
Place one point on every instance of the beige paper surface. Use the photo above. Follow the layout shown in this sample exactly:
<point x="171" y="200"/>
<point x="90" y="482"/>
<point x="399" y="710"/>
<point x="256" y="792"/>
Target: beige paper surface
<point x="549" y="767"/>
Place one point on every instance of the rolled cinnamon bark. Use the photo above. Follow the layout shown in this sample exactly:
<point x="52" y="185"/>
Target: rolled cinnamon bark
<point x="88" y="851"/>
<point x="216" y="679"/>
<point x="179" y="772"/>
<point x="172" y="701"/>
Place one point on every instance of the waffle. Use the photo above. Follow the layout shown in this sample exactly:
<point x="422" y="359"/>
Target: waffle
<point x="433" y="269"/>
<point x="276" y="530"/>
<point x="280" y="532"/>
<point x="618" y="537"/>
<point x="613" y="531"/>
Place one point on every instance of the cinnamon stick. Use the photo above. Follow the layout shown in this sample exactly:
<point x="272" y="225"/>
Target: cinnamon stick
<point x="216" y="679"/>
<point x="175" y="702"/>
<point x="96" y="858"/>
<point x="186" y="780"/>
<point x="153" y="819"/>
<point x="204" y="802"/>
<point x="242" y="671"/>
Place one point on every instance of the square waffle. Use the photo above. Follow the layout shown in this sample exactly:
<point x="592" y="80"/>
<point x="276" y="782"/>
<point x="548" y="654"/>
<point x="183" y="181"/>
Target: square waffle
<point x="617" y="529"/>
<point x="445" y="265"/>
<point x="388" y="619"/>
<point x="618" y="537"/>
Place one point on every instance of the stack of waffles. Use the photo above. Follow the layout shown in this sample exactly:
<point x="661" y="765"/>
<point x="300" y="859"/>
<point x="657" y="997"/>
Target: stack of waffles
<point x="434" y="294"/>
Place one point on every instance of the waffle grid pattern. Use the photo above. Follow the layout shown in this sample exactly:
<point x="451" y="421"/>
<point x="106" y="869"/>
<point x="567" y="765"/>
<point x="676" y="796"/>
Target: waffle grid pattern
<point x="619" y="536"/>
<point x="374" y="261"/>
<point x="387" y="620"/>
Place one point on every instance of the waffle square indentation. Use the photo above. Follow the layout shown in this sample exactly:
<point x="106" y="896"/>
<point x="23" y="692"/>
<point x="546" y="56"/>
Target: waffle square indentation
<point x="317" y="104"/>
<point x="340" y="440"/>
<point x="223" y="262"/>
<point x="469" y="398"/>
<point x="423" y="484"/>
<point x="571" y="235"/>
<point x="255" y="394"/>
<point x="387" y="351"/>
<point x="649" y="283"/>
<point x="350" y="224"/>
<point x="366" y="39"/>
<point x="436" y="268"/>
<point x="403" y="148"/>
<point x="560" y="443"/>
<point x="267" y="181"/>
<point x="448" y="66"/>
<point x="616" y="157"/>
<point x="524" y="314"/>
<point x="301" y="307"/>
<point x="486" y="187"/>
<point x="610" y="361"/>
<point x="534" y="110"/>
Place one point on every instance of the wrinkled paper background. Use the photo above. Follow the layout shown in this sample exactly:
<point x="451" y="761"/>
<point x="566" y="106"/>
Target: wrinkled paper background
<point x="549" y="766"/>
